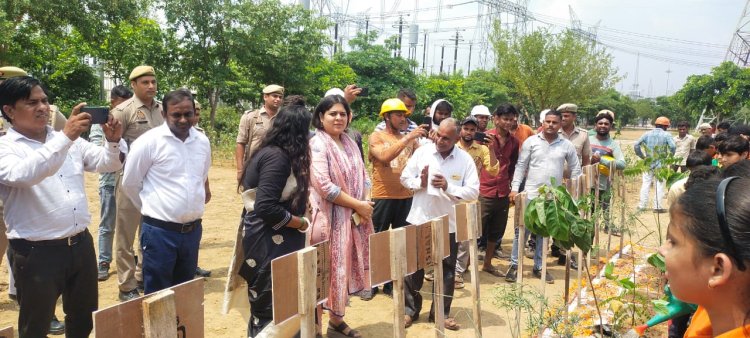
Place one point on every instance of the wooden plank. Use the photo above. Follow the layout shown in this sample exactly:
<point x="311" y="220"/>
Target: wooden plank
<point x="159" y="315"/>
<point x="7" y="332"/>
<point x="125" y="320"/>
<point x="411" y="248"/>
<point x="476" y="309"/>
<point x="446" y="237"/>
<point x="462" y="218"/>
<point x="475" y="219"/>
<point x="438" y="242"/>
<point x="307" y="268"/>
<point x="545" y="244"/>
<point x="323" y="275"/>
<point x="285" y="287"/>
<point x="424" y="245"/>
<point x="520" y="206"/>
<point x="398" y="271"/>
<point x="380" y="265"/>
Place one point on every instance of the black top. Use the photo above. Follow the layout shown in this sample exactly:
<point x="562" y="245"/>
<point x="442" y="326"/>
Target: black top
<point x="268" y="171"/>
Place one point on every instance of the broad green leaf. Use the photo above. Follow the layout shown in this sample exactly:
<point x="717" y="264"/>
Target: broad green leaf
<point x="657" y="260"/>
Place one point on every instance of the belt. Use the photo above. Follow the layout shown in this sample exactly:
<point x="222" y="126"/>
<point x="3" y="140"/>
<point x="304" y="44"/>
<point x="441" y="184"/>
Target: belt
<point x="182" y="228"/>
<point x="67" y="241"/>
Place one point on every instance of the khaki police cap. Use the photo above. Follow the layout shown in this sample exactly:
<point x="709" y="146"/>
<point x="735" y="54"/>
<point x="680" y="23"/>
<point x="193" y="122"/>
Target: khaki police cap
<point x="568" y="107"/>
<point x="141" y="71"/>
<point x="197" y="104"/>
<point x="273" y="89"/>
<point x="10" y="71"/>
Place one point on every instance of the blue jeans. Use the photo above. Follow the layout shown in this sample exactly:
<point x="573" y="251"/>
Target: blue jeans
<point x="107" y="224"/>
<point x="169" y="257"/>
<point x="537" y="252"/>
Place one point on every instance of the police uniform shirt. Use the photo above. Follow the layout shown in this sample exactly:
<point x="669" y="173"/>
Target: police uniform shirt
<point x="137" y="118"/>
<point x="252" y="129"/>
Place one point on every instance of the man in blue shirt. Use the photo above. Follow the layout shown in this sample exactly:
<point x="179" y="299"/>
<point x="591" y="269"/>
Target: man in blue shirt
<point x="656" y="142"/>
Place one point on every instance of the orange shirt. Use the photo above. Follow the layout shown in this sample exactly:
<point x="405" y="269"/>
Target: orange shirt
<point x="700" y="327"/>
<point x="522" y="133"/>
<point x="386" y="177"/>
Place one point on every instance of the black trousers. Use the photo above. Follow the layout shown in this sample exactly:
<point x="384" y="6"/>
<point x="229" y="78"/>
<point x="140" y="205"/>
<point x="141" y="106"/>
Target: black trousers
<point x="494" y="218"/>
<point x="43" y="273"/>
<point x="413" y="285"/>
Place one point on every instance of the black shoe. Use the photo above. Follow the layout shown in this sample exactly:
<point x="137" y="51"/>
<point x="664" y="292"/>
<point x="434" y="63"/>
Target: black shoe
<point x="202" y="273"/>
<point x="573" y="263"/>
<point x="547" y="278"/>
<point x="555" y="251"/>
<point x="103" y="273"/>
<point x="511" y="275"/>
<point x="56" y="327"/>
<point x="139" y="286"/>
<point x="128" y="295"/>
<point x="368" y="295"/>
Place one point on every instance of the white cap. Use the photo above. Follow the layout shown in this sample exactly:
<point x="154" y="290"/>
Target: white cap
<point x="480" y="110"/>
<point x="542" y="115"/>
<point x="334" y="91"/>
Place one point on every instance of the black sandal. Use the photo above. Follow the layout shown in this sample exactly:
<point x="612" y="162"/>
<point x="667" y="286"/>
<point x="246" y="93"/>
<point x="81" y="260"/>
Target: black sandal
<point x="341" y="329"/>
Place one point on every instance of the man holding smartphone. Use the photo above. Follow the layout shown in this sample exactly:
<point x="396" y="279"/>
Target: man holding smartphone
<point x="477" y="145"/>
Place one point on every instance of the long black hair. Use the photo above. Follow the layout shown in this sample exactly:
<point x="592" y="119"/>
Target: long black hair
<point x="290" y="131"/>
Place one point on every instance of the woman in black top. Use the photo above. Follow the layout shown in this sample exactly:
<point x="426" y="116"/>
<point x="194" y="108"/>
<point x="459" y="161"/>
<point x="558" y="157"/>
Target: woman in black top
<point x="275" y="226"/>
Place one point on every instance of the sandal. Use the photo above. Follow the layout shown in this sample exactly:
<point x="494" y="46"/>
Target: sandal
<point x="458" y="282"/>
<point x="344" y="330"/>
<point x="493" y="271"/>
<point x="450" y="324"/>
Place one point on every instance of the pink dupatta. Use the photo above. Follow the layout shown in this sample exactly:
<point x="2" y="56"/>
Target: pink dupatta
<point x="332" y="169"/>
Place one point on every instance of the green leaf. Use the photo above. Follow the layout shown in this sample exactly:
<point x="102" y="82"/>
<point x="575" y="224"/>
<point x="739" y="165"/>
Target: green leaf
<point x="627" y="284"/>
<point x="657" y="260"/>
<point x="608" y="270"/>
<point x="660" y="306"/>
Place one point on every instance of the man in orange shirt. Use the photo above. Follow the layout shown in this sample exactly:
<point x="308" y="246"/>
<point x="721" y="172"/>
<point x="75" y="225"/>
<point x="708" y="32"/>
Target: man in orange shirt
<point x="388" y="153"/>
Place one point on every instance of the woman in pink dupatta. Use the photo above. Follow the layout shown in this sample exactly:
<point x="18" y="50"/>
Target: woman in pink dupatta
<point x="339" y="183"/>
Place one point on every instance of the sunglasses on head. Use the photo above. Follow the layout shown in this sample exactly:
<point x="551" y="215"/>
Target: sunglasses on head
<point x="721" y="212"/>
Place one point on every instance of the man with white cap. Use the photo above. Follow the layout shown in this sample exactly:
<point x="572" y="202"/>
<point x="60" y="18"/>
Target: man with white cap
<point x="705" y="129"/>
<point x="482" y="114"/>
<point x="138" y="114"/>
<point x="254" y="124"/>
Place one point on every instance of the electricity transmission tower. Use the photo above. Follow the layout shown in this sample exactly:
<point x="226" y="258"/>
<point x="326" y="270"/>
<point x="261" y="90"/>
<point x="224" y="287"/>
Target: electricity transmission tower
<point x="490" y="12"/>
<point x="739" y="48"/>
<point x="577" y="27"/>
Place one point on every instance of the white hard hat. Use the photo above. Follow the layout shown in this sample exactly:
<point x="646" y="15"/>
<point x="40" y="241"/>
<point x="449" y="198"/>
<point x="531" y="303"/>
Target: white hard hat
<point x="334" y="91"/>
<point x="480" y="110"/>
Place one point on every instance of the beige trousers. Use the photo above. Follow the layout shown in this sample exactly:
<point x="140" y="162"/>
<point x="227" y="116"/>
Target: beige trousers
<point x="127" y="224"/>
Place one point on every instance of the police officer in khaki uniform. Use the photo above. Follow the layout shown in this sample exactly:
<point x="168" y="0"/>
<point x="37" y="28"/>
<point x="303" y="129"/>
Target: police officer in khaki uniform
<point x="137" y="115"/>
<point x="253" y="125"/>
<point x="57" y="122"/>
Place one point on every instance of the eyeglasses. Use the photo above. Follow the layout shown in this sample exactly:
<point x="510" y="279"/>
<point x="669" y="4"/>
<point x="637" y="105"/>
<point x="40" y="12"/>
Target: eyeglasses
<point x="721" y="213"/>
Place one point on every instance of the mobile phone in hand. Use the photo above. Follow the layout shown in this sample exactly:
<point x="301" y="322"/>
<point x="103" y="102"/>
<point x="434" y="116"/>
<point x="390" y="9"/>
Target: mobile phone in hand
<point x="99" y="115"/>
<point x="479" y="136"/>
<point x="428" y="121"/>
<point x="365" y="91"/>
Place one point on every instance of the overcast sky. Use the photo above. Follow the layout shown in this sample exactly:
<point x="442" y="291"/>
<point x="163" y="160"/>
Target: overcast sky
<point x="684" y="36"/>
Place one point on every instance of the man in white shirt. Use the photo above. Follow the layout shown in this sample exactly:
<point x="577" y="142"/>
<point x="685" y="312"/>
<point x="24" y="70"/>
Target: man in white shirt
<point x="684" y="144"/>
<point x="543" y="156"/>
<point x="165" y="177"/>
<point x="441" y="175"/>
<point x="46" y="211"/>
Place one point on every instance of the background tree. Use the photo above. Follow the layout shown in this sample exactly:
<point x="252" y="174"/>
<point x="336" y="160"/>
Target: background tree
<point x="724" y="91"/>
<point x="613" y="100"/>
<point x="547" y="69"/>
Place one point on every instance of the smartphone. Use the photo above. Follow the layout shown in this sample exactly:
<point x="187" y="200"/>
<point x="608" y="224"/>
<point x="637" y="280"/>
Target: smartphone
<point x="99" y="115"/>
<point x="479" y="136"/>
<point x="365" y="91"/>
<point x="428" y="121"/>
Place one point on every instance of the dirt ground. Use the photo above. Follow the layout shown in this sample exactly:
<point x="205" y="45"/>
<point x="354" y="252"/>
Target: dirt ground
<point x="372" y="318"/>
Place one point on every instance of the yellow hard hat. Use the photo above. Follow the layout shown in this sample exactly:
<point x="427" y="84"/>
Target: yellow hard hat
<point x="393" y="105"/>
<point x="604" y="169"/>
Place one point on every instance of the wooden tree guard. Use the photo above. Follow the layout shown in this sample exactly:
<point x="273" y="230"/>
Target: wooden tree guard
<point x="398" y="271"/>
<point x="126" y="320"/>
<point x="622" y="192"/>
<point x="468" y="219"/>
<point x="520" y="208"/>
<point x="307" y="268"/>
<point x="438" y="244"/>
<point x="159" y="315"/>
<point x="572" y="187"/>
<point x="7" y="332"/>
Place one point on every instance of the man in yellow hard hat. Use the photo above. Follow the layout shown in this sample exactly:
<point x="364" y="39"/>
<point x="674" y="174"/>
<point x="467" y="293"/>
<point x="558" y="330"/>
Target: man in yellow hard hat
<point x="138" y="114"/>
<point x="388" y="153"/>
<point x="606" y="152"/>
<point x="657" y="142"/>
